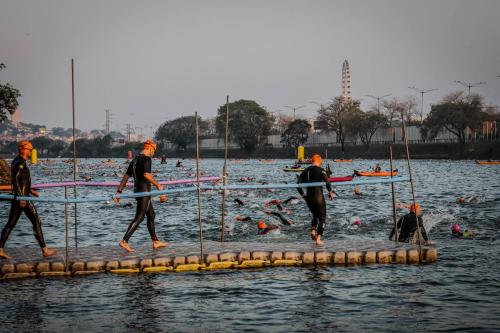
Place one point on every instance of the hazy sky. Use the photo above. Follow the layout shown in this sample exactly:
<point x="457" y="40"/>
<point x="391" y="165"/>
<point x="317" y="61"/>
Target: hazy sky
<point x="150" y="61"/>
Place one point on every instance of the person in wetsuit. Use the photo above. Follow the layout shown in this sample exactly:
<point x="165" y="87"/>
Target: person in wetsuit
<point x="408" y="228"/>
<point x="314" y="197"/>
<point x="140" y="169"/>
<point x="21" y="184"/>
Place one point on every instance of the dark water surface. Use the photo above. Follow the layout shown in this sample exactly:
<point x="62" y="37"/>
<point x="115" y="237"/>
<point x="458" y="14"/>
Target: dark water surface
<point x="461" y="292"/>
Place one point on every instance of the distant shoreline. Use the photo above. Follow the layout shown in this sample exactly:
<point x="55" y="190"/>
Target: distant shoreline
<point x="439" y="151"/>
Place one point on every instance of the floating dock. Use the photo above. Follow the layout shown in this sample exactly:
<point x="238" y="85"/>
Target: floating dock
<point x="185" y="256"/>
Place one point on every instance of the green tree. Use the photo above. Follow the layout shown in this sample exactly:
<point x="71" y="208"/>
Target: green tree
<point x="296" y="133"/>
<point x="455" y="113"/>
<point x="249" y="123"/>
<point x="365" y="124"/>
<point x="41" y="144"/>
<point x="336" y="117"/>
<point x="180" y="131"/>
<point x="8" y="98"/>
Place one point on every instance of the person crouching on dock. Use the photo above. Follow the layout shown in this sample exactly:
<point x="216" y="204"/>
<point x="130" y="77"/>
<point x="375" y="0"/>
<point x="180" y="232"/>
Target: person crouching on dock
<point x="140" y="169"/>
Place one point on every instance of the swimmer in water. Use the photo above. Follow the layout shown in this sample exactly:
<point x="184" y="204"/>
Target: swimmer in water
<point x="291" y="200"/>
<point x="357" y="191"/>
<point x="457" y="233"/>
<point x="282" y="219"/>
<point x="264" y="229"/>
<point x="163" y="159"/>
<point x="408" y="227"/>
<point x="242" y="218"/>
<point x="21" y="183"/>
<point x="239" y="202"/>
<point x="140" y="169"/>
<point x="179" y="164"/>
<point x="314" y="197"/>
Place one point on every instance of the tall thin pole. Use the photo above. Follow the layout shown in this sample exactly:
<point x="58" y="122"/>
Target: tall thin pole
<point x="198" y="183"/>
<point x="224" y="172"/>
<point x="394" y="216"/>
<point x="74" y="146"/>
<point x="419" y="236"/>
<point x="66" y="215"/>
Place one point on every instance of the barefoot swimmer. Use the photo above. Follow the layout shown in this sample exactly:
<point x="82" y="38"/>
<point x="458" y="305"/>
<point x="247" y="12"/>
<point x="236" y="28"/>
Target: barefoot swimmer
<point x="21" y="183"/>
<point x="314" y="197"/>
<point x="140" y="169"/>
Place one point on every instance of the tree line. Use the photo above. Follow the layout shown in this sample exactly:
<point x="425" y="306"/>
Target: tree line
<point x="250" y="123"/>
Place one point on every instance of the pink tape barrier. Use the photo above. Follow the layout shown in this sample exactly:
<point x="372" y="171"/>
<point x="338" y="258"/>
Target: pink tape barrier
<point x="108" y="183"/>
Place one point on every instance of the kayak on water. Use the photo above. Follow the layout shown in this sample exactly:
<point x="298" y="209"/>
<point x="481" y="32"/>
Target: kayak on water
<point x="375" y="174"/>
<point x="487" y="162"/>
<point x="340" y="179"/>
<point x="342" y="161"/>
<point x="293" y="169"/>
<point x="6" y="187"/>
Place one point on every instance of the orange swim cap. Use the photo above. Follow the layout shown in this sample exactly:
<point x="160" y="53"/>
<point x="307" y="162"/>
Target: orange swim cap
<point x="150" y="144"/>
<point x="415" y="208"/>
<point x="24" y="145"/>
<point x="261" y="224"/>
<point x="316" y="159"/>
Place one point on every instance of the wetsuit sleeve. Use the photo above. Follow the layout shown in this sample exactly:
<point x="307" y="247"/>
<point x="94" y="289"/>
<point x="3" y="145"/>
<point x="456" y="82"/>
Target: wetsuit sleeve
<point x="130" y="169"/>
<point x="422" y="229"/>
<point x="147" y="165"/>
<point x="300" y="180"/>
<point x="324" y="176"/>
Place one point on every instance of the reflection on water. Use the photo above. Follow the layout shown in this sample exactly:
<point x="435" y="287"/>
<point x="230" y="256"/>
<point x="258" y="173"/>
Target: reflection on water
<point x="460" y="292"/>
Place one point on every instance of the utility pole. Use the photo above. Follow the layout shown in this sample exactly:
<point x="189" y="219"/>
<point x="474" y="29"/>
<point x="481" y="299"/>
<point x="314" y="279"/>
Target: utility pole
<point x="294" y="108"/>
<point x="108" y="121"/>
<point x="129" y="131"/>
<point x="469" y="85"/>
<point x="378" y="98"/>
<point x="422" y="92"/>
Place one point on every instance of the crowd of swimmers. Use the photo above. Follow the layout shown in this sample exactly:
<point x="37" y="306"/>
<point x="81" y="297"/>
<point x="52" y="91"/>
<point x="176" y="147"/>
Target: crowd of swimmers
<point x="407" y="228"/>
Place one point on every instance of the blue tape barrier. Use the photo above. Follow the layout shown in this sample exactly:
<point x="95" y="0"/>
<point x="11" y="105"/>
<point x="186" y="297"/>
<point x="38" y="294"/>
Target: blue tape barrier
<point x="381" y="180"/>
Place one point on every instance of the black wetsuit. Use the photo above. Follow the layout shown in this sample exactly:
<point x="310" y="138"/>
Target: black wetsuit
<point x="407" y="228"/>
<point x="314" y="198"/>
<point x="21" y="183"/>
<point x="140" y="165"/>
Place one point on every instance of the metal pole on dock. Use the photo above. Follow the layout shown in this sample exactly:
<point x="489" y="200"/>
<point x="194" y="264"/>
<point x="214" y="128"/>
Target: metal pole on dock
<point x="394" y="216"/>
<point x="198" y="183"/>
<point x="419" y="236"/>
<point x="74" y="146"/>
<point x="66" y="215"/>
<point x="224" y="172"/>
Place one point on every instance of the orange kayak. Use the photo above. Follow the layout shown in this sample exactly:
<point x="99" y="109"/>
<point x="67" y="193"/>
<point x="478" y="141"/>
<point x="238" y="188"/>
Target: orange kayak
<point x="342" y="161"/>
<point x="5" y="188"/>
<point x="375" y="174"/>
<point x="487" y="162"/>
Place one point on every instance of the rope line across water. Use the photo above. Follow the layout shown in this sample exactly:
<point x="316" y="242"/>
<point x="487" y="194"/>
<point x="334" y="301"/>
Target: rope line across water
<point x="202" y="187"/>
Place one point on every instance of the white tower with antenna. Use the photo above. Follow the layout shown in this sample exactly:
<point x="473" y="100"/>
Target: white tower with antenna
<point x="346" y="81"/>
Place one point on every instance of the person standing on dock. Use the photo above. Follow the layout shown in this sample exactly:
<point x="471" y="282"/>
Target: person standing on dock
<point x="140" y="169"/>
<point x="314" y="196"/>
<point x="21" y="184"/>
